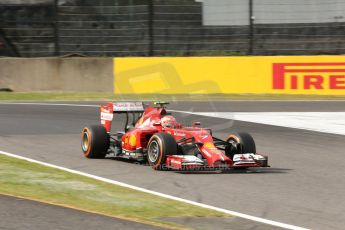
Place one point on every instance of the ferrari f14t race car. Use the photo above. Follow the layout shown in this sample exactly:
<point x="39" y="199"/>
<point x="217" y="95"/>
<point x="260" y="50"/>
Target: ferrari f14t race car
<point x="154" y="136"/>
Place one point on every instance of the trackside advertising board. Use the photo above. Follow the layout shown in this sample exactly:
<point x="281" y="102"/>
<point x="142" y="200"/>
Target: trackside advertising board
<point x="318" y="75"/>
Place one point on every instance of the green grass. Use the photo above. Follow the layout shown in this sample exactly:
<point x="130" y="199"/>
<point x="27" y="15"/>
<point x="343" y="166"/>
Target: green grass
<point x="34" y="181"/>
<point x="94" y="96"/>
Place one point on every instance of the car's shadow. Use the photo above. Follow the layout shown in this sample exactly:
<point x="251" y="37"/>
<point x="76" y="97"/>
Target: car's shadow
<point x="209" y="170"/>
<point x="234" y="171"/>
<point x="129" y="161"/>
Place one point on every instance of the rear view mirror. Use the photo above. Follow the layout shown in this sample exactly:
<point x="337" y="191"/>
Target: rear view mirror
<point x="157" y="124"/>
<point x="196" y="123"/>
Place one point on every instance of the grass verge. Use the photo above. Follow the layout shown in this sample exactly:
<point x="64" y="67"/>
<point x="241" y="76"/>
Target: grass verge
<point x="33" y="181"/>
<point x="94" y="96"/>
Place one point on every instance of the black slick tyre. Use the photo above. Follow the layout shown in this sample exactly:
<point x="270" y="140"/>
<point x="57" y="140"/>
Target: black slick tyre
<point x="94" y="141"/>
<point x="160" y="146"/>
<point x="240" y="143"/>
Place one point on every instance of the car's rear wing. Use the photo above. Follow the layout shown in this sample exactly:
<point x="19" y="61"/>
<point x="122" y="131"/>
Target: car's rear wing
<point x="124" y="107"/>
<point x="109" y="109"/>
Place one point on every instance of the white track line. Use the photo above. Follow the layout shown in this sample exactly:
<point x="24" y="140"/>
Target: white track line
<point x="233" y="213"/>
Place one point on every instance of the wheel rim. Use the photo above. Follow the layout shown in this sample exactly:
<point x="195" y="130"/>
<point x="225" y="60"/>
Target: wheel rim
<point x="153" y="151"/>
<point x="232" y="141"/>
<point x="85" y="144"/>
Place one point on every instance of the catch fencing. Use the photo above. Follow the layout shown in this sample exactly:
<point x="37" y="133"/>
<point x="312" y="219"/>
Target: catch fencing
<point x="40" y="28"/>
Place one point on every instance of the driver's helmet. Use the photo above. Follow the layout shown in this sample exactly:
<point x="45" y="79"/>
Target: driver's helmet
<point x="168" y="121"/>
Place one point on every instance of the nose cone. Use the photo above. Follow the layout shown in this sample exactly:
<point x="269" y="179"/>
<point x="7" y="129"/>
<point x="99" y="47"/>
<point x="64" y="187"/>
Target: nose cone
<point x="215" y="157"/>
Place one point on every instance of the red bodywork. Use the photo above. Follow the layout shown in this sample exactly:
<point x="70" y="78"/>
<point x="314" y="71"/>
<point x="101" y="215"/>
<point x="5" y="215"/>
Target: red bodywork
<point x="136" y="139"/>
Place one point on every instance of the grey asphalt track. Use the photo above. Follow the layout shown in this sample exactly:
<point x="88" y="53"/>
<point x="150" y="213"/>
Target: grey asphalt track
<point x="22" y="214"/>
<point x="304" y="187"/>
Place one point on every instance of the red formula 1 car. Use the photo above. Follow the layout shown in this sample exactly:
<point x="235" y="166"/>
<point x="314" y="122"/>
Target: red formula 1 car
<point x="156" y="137"/>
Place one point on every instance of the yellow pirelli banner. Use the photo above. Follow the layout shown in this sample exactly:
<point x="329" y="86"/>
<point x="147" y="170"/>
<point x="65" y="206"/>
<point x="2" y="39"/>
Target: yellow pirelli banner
<point x="318" y="75"/>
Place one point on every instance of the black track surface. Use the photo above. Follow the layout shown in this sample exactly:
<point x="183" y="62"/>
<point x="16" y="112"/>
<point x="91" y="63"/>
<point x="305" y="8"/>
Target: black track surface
<point x="304" y="187"/>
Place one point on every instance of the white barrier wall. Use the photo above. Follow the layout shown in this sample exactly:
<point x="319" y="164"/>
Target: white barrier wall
<point x="57" y="74"/>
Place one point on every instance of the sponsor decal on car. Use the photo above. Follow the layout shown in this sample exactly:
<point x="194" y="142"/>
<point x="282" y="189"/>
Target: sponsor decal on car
<point x="127" y="106"/>
<point x="107" y="116"/>
<point x="209" y="145"/>
<point x="176" y="162"/>
<point x="179" y="134"/>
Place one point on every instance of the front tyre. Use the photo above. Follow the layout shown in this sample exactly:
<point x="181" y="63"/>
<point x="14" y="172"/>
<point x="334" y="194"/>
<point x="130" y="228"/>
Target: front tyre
<point x="160" y="146"/>
<point x="94" y="141"/>
<point x="240" y="143"/>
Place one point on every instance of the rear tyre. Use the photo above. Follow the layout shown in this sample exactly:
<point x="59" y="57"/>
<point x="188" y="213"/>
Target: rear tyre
<point x="94" y="141"/>
<point x="160" y="146"/>
<point x="240" y="143"/>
